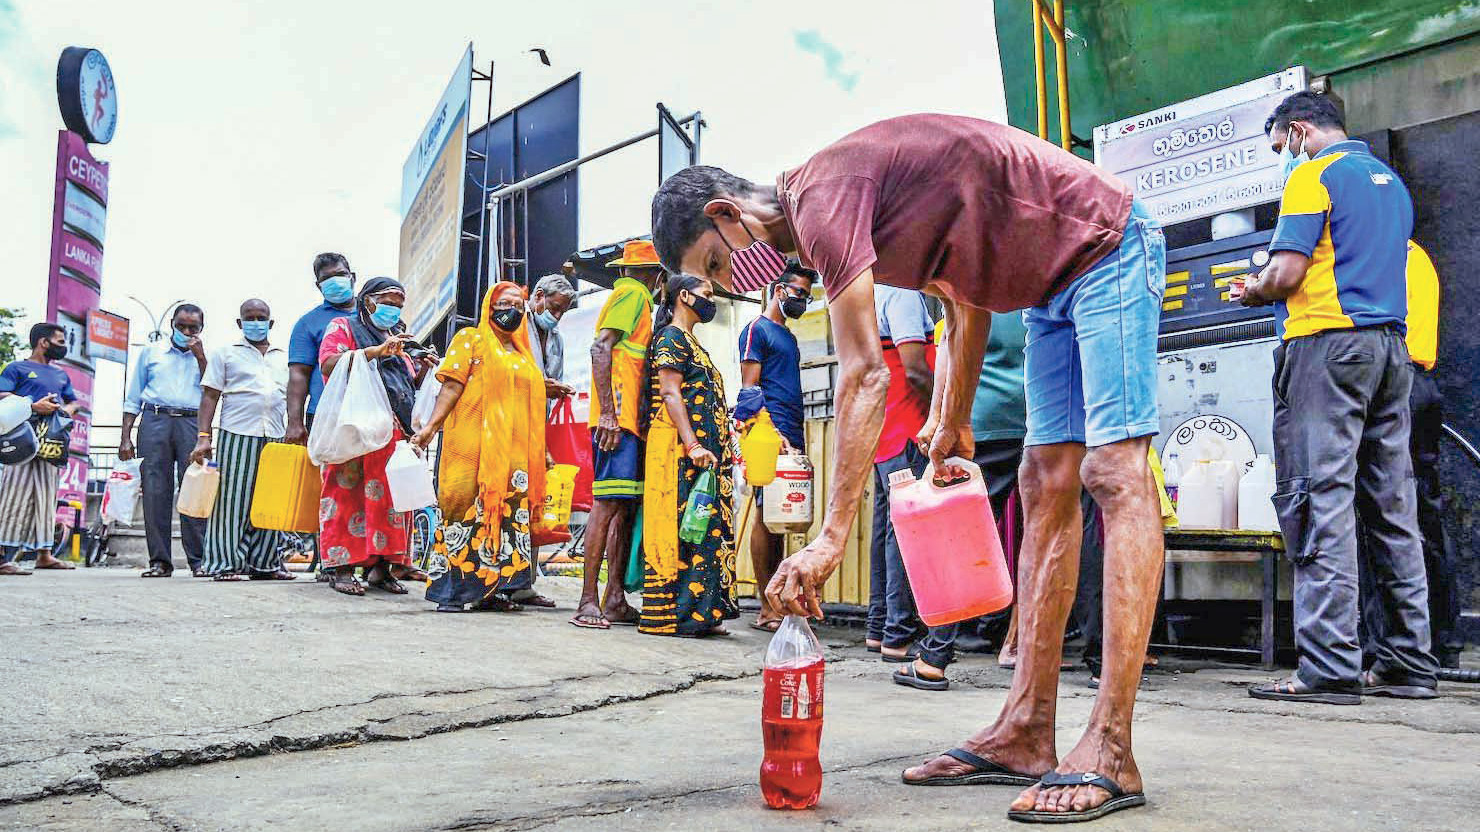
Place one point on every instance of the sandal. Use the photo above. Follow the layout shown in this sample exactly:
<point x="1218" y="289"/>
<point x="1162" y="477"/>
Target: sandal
<point x="279" y="574"/>
<point x="766" y="626"/>
<point x="411" y="573"/>
<point x="388" y="584"/>
<point x="590" y="622"/>
<point x="631" y="619"/>
<point x="537" y="600"/>
<point x="1373" y="684"/>
<point x="1119" y="799"/>
<point x="1294" y="690"/>
<point x="156" y="572"/>
<point x="226" y="576"/>
<point x="987" y="773"/>
<point x="496" y="603"/>
<point x="910" y="654"/>
<point x="346" y="584"/>
<point x="910" y="677"/>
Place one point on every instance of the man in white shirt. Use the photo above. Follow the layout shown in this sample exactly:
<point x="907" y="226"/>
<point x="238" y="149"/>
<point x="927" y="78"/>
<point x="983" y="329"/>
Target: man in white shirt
<point x="246" y="384"/>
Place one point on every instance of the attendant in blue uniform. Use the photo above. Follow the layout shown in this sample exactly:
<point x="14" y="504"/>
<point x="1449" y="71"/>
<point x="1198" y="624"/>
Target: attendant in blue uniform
<point x="1341" y="420"/>
<point x="164" y="397"/>
<point x="771" y="375"/>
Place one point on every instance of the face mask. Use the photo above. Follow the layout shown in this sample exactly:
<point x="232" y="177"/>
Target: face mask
<point x="754" y="267"/>
<point x="1289" y="158"/>
<point x="180" y="339"/>
<point x="507" y="319"/>
<point x="56" y="352"/>
<point x="794" y="307"/>
<point x="256" y="331"/>
<point x="386" y="316"/>
<point x="545" y="320"/>
<point x="704" y="308"/>
<point x="338" y="289"/>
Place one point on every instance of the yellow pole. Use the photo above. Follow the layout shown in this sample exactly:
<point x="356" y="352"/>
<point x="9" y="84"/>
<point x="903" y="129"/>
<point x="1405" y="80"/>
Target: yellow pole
<point x="1062" y="67"/>
<point x="1040" y="77"/>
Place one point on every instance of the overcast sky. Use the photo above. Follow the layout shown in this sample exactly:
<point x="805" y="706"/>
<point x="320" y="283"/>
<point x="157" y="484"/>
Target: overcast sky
<point x="252" y="135"/>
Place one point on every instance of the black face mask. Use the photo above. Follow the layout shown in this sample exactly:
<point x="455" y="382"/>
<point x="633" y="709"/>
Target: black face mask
<point x="56" y="352"/>
<point x="507" y="319"/>
<point x="794" y="307"/>
<point x="704" y="308"/>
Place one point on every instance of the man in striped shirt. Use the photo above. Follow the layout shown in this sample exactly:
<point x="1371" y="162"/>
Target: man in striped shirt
<point x="246" y="385"/>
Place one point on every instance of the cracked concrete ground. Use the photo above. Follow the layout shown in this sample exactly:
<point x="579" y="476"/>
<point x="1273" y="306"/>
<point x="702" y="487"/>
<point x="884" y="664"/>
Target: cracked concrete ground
<point x="188" y="705"/>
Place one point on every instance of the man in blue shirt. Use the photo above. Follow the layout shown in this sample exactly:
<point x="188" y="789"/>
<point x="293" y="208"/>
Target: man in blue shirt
<point x="164" y="397"/>
<point x="1337" y="278"/>
<point x="771" y="362"/>
<point x="336" y="282"/>
<point x="28" y="491"/>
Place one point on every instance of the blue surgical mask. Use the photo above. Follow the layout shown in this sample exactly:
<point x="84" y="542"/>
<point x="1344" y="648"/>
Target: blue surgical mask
<point x="338" y="289"/>
<point x="180" y="339"/>
<point x="256" y="331"/>
<point x="386" y="316"/>
<point x="1290" y="159"/>
<point x="546" y="321"/>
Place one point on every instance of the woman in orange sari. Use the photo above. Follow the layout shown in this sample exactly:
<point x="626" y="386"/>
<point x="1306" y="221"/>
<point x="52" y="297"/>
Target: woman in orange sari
<point x="492" y="481"/>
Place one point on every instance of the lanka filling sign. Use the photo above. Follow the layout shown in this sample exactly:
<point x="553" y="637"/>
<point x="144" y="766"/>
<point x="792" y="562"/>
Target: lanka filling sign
<point x="1201" y="157"/>
<point x="431" y="205"/>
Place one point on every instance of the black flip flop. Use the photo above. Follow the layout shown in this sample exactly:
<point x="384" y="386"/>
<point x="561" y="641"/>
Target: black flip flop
<point x="1373" y="684"/>
<point x="910" y="678"/>
<point x="1294" y="690"/>
<point x="987" y="773"/>
<point x="909" y="655"/>
<point x="1119" y="799"/>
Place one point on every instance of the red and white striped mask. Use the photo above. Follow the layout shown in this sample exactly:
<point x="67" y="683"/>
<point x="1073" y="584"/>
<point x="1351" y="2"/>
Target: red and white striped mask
<point x="756" y="266"/>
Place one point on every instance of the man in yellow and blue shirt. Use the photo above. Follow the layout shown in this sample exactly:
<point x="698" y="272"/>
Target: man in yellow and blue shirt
<point x="1341" y="422"/>
<point x="1426" y="409"/>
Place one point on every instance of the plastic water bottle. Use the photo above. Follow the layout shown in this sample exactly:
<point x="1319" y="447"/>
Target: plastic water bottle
<point x="1171" y="474"/>
<point x="791" y="717"/>
<point x="699" y="509"/>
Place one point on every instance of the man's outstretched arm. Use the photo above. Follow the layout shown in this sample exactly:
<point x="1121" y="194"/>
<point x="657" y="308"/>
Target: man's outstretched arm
<point x="965" y="343"/>
<point x="858" y="401"/>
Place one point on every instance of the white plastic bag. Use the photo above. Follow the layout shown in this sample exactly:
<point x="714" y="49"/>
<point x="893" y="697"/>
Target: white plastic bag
<point x="426" y="401"/>
<point x="354" y="415"/>
<point x="409" y="479"/>
<point x="121" y="497"/>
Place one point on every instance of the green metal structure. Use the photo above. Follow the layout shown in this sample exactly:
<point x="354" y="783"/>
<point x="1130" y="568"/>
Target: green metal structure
<point x="1130" y="56"/>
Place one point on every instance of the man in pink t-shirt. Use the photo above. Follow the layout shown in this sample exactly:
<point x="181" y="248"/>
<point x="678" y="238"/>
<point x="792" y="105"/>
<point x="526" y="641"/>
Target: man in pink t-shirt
<point x="990" y="219"/>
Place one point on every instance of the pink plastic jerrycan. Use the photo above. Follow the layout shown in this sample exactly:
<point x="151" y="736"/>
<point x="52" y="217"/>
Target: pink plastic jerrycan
<point x="949" y="544"/>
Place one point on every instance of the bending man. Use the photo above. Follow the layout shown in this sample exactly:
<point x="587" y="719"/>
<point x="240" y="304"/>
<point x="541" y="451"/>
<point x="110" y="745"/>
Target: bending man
<point x="991" y="219"/>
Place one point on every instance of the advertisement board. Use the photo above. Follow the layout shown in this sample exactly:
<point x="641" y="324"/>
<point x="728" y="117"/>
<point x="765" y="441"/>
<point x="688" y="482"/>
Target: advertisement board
<point x="107" y="336"/>
<point x="431" y="205"/>
<point x="79" y="216"/>
<point x="1201" y="157"/>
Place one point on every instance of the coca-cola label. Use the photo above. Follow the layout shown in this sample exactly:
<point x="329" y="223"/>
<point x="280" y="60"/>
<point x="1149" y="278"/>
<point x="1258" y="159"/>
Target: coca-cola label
<point x="794" y="694"/>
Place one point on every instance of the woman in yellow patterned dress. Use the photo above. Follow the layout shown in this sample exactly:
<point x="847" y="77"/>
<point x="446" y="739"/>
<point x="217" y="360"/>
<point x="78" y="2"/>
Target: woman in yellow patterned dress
<point x="686" y="587"/>
<point x="492" y="479"/>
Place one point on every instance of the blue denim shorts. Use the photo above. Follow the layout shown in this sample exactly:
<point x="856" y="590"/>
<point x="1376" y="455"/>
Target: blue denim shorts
<point x="1091" y="357"/>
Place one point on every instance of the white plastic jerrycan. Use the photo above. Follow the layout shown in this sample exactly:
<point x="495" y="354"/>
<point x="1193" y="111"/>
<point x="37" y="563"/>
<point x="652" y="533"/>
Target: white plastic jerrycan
<point x="1255" y="511"/>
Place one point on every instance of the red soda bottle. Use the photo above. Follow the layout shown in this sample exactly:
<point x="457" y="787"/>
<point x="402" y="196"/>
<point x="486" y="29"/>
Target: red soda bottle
<point x="791" y="717"/>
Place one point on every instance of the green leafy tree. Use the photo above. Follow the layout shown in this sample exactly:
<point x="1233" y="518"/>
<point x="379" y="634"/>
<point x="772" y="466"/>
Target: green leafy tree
<point x="11" y="347"/>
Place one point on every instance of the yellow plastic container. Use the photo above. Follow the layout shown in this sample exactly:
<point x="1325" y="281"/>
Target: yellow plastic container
<point x="286" y="497"/>
<point x="560" y="487"/>
<point x="760" y="448"/>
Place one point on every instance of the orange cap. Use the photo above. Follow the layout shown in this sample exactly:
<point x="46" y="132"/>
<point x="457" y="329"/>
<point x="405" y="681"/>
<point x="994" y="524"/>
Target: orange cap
<point x="637" y="253"/>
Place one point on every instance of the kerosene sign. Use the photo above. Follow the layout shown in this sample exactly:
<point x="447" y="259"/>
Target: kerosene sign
<point x="1201" y="157"/>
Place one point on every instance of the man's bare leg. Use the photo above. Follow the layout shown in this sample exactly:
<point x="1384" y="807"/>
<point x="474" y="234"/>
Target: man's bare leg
<point x="1022" y="738"/>
<point x="618" y="547"/>
<point x="1119" y="479"/>
<point x="765" y="553"/>
<point x="598" y="531"/>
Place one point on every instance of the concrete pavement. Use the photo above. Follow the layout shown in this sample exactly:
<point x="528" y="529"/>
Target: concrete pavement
<point x="189" y="705"/>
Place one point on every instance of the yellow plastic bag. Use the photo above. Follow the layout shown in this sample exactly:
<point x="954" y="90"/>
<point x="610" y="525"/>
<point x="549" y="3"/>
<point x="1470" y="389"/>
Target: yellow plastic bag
<point x="1168" y="511"/>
